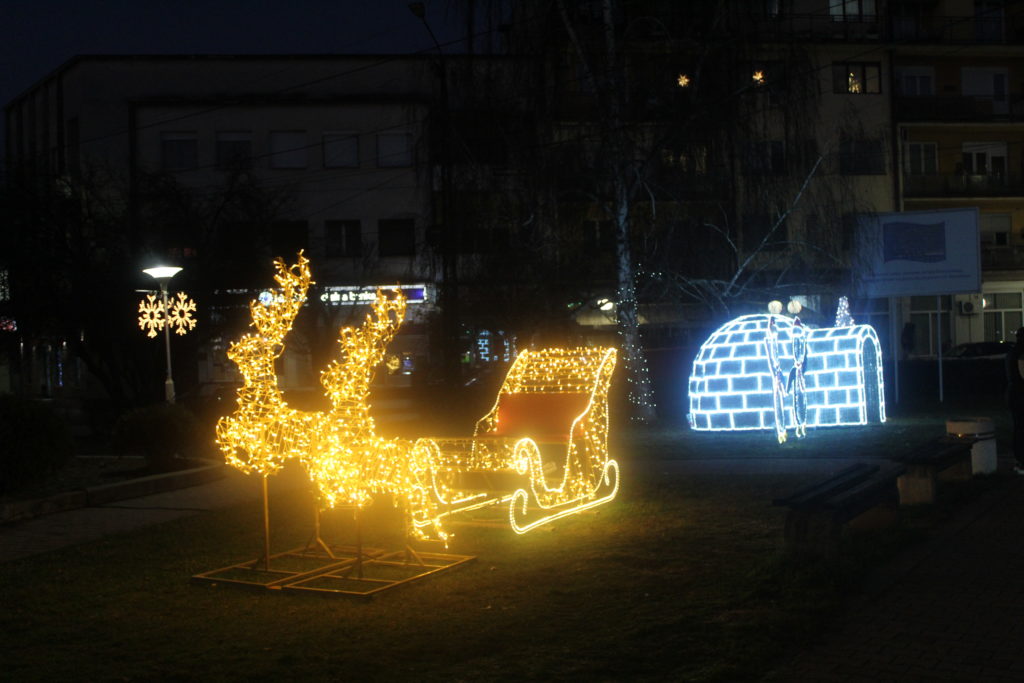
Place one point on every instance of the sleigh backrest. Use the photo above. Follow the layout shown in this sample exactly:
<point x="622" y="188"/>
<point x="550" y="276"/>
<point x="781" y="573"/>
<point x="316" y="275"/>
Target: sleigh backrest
<point x="547" y="392"/>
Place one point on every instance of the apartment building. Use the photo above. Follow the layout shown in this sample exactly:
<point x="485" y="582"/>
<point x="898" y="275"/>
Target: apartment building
<point x="336" y="147"/>
<point x="958" y="70"/>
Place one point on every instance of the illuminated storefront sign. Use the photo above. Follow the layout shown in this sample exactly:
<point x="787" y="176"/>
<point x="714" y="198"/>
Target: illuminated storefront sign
<point x="365" y="296"/>
<point x="768" y="371"/>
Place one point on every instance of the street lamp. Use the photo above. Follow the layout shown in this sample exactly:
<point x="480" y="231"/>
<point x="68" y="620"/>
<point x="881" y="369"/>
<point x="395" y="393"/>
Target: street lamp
<point x="163" y="275"/>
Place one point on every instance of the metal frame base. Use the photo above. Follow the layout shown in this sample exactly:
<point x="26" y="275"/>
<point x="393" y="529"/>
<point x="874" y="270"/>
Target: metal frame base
<point x="344" y="570"/>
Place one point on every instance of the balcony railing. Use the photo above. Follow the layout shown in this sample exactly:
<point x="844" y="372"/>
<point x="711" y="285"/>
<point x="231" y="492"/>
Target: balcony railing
<point x="961" y="185"/>
<point x="901" y="29"/>
<point x="958" y="108"/>
<point x="1002" y="258"/>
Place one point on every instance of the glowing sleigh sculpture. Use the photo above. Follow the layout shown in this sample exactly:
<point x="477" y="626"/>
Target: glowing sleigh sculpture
<point x="769" y="372"/>
<point x="565" y="406"/>
<point x="542" y="447"/>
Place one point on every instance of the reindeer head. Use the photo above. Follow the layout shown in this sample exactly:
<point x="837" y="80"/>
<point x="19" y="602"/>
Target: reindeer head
<point x="362" y="349"/>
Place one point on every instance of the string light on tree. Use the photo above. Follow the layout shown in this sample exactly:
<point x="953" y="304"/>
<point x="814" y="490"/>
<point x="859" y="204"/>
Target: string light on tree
<point x="843" y="317"/>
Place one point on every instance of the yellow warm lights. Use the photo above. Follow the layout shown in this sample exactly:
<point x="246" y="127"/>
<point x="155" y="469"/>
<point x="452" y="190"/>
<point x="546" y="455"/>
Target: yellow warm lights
<point x="549" y="425"/>
<point x="548" y="428"/>
<point x="178" y="314"/>
<point x="347" y="462"/>
<point x="758" y="77"/>
<point x="683" y="81"/>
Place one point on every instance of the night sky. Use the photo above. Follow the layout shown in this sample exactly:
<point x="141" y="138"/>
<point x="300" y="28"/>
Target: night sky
<point x="37" y="36"/>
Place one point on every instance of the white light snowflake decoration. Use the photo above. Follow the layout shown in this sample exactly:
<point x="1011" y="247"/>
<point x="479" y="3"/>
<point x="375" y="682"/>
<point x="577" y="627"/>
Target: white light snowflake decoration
<point x="180" y="315"/>
<point x="733" y="387"/>
<point x="153" y="316"/>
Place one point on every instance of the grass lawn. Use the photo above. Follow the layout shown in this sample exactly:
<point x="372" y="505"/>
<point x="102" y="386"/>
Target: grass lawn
<point x="683" y="577"/>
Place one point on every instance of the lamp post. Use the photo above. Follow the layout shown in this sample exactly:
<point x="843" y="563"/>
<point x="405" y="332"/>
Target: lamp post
<point x="163" y="275"/>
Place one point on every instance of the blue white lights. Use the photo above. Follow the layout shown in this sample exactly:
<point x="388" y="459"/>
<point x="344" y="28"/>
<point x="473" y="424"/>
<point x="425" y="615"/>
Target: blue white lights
<point x="835" y="380"/>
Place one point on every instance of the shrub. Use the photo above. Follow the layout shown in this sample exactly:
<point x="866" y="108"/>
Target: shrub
<point x="162" y="433"/>
<point x="36" y="442"/>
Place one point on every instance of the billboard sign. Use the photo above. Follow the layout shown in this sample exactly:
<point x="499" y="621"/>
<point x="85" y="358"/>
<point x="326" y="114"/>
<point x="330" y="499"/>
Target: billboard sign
<point x="919" y="253"/>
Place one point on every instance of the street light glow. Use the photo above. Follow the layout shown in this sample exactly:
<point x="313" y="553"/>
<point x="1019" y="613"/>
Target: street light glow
<point x="162" y="272"/>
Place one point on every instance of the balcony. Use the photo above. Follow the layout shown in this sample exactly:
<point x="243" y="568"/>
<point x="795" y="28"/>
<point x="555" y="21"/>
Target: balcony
<point x="1002" y="258"/>
<point x="922" y="28"/>
<point x="958" y="108"/>
<point x="959" y="185"/>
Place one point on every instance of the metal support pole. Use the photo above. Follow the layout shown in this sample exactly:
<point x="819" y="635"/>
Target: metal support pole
<point x="169" y="383"/>
<point x="938" y="336"/>
<point x="266" y="527"/>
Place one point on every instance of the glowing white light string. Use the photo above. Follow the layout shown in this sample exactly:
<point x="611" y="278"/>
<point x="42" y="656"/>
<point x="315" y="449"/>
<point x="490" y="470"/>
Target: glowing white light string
<point x="731" y="384"/>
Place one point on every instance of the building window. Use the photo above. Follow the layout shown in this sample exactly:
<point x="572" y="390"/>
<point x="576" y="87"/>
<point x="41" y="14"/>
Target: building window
<point x="921" y="158"/>
<point x="856" y="78"/>
<point x="852" y="10"/>
<point x="396" y="237"/>
<point x="765" y="157"/>
<point x="598" y="237"/>
<point x="394" y="150"/>
<point x="984" y="158"/>
<point x="179" y="151"/>
<point x="988" y="20"/>
<point x="288" y="149"/>
<point x="341" y="150"/>
<point x="924" y="321"/>
<point x="1003" y="315"/>
<point x="861" y="157"/>
<point x="344" y="238"/>
<point x="995" y="229"/>
<point x="915" y="81"/>
<point x="288" y="237"/>
<point x="234" y="149"/>
<point x="987" y="83"/>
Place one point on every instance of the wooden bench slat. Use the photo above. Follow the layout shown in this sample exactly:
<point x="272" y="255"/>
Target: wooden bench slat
<point x="845" y="478"/>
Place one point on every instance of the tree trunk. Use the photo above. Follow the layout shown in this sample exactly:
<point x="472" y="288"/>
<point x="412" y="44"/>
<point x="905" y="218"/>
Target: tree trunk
<point x="639" y="394"/>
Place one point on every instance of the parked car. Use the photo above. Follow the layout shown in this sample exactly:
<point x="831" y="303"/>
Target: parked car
<point x="987" y="350"/>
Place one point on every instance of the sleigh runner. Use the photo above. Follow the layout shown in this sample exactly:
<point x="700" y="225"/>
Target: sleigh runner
<point x="542" y="447"/>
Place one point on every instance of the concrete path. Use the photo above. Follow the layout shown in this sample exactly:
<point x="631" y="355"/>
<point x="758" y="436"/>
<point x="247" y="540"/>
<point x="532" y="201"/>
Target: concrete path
<point x="62" y="529"/>
<point x="949" y="610"/>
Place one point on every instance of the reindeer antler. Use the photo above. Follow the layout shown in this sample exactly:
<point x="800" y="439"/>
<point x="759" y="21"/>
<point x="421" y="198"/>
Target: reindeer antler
<point x="264" y="432"/>
<point x="274" y="317"/>
<point x="348" y="379"/>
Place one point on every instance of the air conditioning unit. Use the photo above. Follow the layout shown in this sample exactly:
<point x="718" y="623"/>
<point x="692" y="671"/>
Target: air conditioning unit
<point x="968" y="307"/>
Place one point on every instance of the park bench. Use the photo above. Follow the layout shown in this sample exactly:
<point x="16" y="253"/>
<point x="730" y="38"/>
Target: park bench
<point x="542" y="447"/>
<point x="944" y="459"/>
<point x="859" y="497"/>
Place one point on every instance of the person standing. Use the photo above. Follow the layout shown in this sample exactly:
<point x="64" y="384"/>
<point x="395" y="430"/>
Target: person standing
<point x="1015" y="398"/>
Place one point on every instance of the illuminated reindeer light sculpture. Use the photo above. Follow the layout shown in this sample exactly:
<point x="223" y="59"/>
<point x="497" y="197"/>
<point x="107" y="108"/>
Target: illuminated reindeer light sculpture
<point x="346" y="460"/>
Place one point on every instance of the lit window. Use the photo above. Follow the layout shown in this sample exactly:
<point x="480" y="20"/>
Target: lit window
<point x="856" y="78"/>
